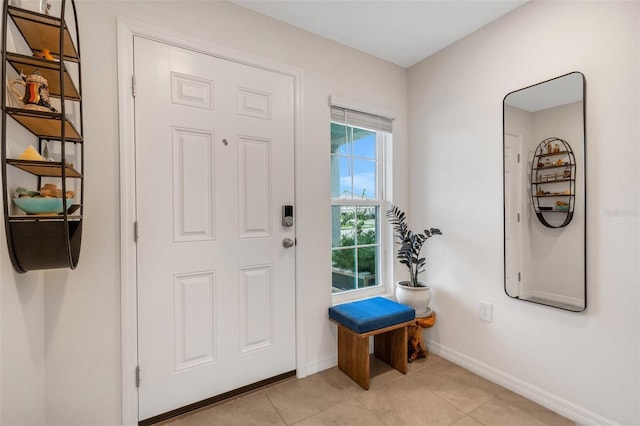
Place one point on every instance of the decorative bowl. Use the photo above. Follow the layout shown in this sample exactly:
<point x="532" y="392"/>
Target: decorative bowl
<point x="45" y="205"/>
<point x="562" y="208"/>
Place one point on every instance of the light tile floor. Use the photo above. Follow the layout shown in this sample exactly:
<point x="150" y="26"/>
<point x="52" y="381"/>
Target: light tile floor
<point x="434" y="392"/>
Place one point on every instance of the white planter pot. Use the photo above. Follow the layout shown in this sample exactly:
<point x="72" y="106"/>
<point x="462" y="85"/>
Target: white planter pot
<point x="416" y="297"/>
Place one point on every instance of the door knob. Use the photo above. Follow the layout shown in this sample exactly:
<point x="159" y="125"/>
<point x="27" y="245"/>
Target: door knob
<point x="288" y="243"/>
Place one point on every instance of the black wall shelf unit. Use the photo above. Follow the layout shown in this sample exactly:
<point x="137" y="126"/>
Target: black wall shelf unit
<point x="553" y="182"/>
<point x="49" y="240"/>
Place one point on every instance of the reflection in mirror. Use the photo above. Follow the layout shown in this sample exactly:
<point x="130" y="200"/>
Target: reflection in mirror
<point x="544" y="193"/>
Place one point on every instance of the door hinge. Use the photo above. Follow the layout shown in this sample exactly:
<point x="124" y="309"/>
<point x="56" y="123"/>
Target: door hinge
<point x="518" y="217"/>
<point x="134" y="88"/>
<point x="518" y="154"/>
<point x="136" y="232"/>
<point x="137" y="376"/>
<point x="519" y="276"/>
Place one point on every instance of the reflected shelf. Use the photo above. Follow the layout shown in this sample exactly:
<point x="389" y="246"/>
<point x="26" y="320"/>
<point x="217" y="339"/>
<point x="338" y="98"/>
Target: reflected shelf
<point x="553" y="166"/>
<point x="552" y="154"/>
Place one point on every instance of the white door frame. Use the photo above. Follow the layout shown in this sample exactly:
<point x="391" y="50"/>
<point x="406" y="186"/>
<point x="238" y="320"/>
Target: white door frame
<point x="126" y="30"/>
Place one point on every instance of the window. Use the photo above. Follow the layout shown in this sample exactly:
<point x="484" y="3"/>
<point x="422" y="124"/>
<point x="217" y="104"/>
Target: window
<point x="358" y="146"/>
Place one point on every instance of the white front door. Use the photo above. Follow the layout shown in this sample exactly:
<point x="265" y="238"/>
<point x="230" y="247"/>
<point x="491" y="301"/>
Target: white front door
<point x="214" y="166"/>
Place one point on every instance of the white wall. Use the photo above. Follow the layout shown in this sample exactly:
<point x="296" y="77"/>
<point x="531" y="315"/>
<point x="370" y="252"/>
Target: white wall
<point x="82" y="308"/>
<point x="22" y="342"/>
<point x="585" y="365"/>
<point x="22" y="387"/>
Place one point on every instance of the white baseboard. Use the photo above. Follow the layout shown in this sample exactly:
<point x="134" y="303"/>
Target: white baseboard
<point x="554" y="297"/>
<point x="321" y="365"/>
<point x="580" y="415"/>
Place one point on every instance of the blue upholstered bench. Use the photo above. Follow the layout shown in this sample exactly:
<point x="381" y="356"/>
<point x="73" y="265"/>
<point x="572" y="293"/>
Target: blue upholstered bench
<point x="382" y="318"/>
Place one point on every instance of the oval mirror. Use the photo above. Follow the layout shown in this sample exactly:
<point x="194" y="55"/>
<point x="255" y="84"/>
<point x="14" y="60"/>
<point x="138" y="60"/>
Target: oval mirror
<point x="544" y="193"/>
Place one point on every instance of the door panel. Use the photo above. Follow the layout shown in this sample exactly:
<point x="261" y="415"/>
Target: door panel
<point x="256" y="314"/>
<point x="254" y="187"/>
<point x="194" y="325"/>
<point x="193" y="183"/>
<point x="214" y="165"/>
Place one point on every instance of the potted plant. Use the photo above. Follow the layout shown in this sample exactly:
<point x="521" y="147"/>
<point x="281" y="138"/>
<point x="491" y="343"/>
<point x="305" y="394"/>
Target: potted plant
<point x="414" y="293"/>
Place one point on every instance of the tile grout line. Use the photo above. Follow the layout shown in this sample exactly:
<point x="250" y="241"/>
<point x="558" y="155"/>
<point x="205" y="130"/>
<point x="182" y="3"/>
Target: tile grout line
<point x="276" y="408"/>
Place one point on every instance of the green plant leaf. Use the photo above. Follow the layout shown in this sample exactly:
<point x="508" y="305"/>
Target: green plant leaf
<point x="410" y="243"/>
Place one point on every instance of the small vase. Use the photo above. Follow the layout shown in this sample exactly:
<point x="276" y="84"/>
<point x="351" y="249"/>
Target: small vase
<point x="416" y="297"/>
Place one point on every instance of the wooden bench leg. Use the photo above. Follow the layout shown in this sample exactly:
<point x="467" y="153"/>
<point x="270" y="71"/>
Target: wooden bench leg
<point x="391" y="347"/>
<point x="353" y="356"/>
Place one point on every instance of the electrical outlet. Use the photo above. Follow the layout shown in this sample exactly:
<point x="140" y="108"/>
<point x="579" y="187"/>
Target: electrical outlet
<point x="486" y="311"/>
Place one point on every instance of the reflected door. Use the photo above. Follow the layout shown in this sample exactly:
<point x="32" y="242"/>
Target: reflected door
<point x="214" y="165"/>
<point x="512" y="220"/>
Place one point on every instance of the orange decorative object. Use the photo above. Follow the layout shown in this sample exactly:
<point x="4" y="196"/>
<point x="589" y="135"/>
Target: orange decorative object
<point x="46" y="53"/>
<point x="417" y="348"/>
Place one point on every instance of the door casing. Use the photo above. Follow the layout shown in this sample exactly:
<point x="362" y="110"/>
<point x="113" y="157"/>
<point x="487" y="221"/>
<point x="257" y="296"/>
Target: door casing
<point x="126" y="30"/>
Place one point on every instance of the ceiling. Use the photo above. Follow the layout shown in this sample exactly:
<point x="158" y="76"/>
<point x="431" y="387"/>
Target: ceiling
<point x="403" y="32"/>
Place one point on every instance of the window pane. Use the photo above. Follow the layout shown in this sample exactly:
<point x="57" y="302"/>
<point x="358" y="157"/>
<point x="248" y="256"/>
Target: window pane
<point x="364" y="179"/>
<point x="355" y="233"/>
<point x="340" y="177"/>
<point x="367" y="225"/>
<point x="367" y="260"/>
<point x="364" y="143"/>
<point x="343" y="226"/>
<point x="339" y="142"/>
<point x="343" y="271"/>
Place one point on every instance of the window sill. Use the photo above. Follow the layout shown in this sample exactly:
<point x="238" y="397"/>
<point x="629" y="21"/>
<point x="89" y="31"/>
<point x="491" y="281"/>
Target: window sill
<point x="354" y="295"/>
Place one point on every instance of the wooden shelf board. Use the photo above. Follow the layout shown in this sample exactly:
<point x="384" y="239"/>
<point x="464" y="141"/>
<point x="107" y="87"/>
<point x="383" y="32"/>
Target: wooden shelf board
<point x="551" y="154"/>
<point x="553" y="166"/>
<point x="43" y="32"/>
<point x="46" y="125"/>
<point x="44" y="168"/>
<point x="554" y="181"/>
<point x="49" y="70"/>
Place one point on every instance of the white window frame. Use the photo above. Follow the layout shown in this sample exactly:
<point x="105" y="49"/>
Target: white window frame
<point x="383" y="200"/>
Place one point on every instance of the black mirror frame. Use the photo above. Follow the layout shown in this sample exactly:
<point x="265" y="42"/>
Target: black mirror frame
<point x="584" y="204"/>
